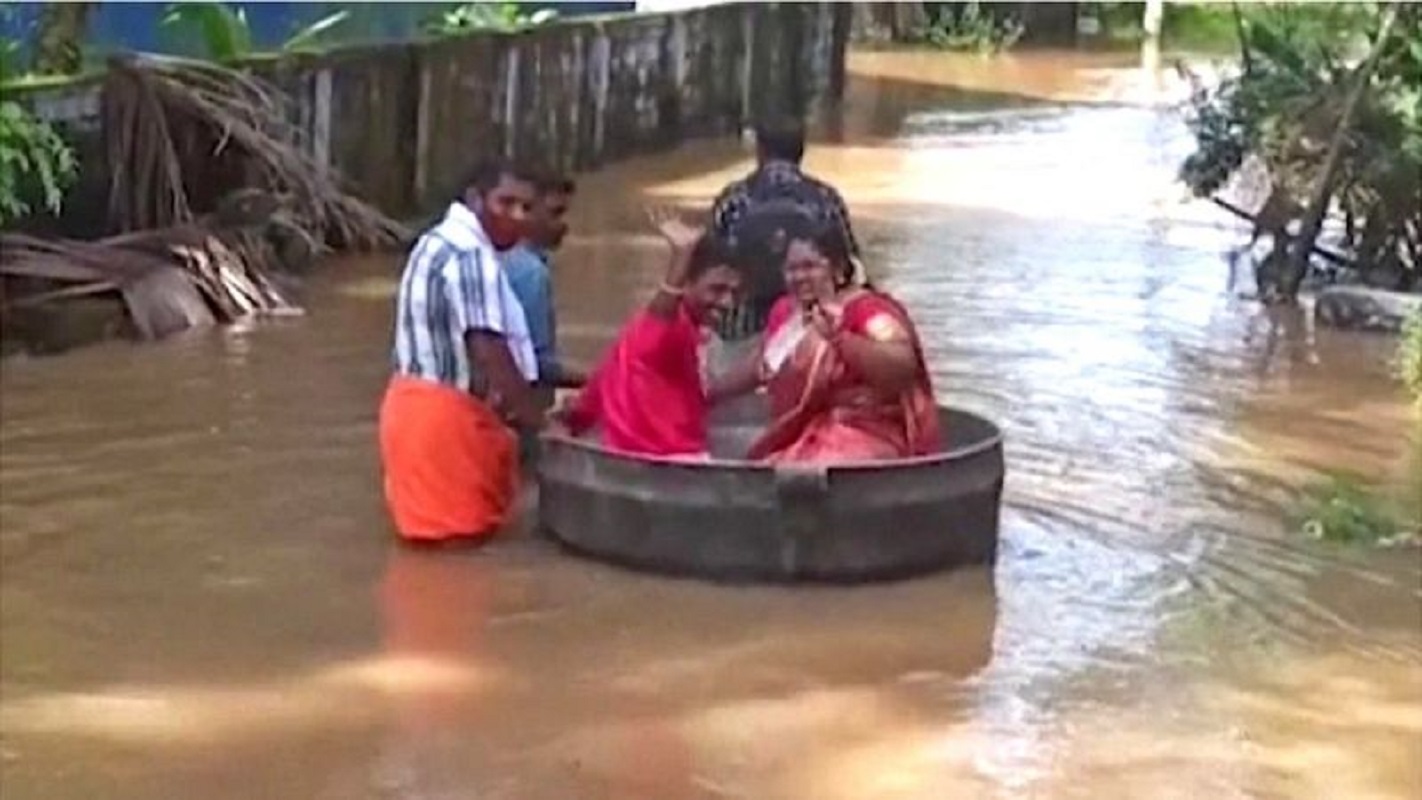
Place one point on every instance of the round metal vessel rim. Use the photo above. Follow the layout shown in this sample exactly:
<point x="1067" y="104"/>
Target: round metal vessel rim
<point x="737" y="521"/>
<point x="953" y="453"/>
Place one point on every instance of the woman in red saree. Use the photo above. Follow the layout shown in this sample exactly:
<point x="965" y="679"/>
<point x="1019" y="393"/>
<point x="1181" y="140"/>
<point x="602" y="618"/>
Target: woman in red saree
<point x="842" y="365"/>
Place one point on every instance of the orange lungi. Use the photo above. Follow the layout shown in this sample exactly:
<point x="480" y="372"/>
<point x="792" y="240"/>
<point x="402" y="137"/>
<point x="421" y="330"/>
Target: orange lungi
<point x="451" y="465"/>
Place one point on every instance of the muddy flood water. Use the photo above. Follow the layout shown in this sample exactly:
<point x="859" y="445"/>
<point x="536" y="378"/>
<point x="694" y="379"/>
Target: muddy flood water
<point x="201" y="598"/>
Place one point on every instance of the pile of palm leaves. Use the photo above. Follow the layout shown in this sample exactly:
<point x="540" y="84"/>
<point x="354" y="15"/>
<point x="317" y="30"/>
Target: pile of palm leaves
<point x="208" y="186"/>
<point x="180" y="134"/>
<point x="170" y="279"/>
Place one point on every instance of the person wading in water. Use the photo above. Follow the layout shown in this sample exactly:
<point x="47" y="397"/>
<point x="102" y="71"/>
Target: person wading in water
<point x="529" y="270"/>
<point x="752" y="214"/>
<point x="464" y="364"/>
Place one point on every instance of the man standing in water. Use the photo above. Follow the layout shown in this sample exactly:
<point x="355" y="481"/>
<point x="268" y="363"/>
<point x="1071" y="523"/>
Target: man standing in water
<point x="750" y="211"/>
<point x="528" y="267"/>
<point x="464" y="363"/>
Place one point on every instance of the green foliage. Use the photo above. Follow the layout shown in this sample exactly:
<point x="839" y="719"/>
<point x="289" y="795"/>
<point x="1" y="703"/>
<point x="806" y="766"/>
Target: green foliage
<point x="1409" y="356"/>
<point x="222" y="31"/>
<point x="1284" y="109"/>
<point x="11" y="63"/>
<point x="12" y="51"/>
<point x="470" y="17"/>
<point x="1343" y="509"/>
<point x="1198" y="26"/>
<point x="36" y="164"/>
<point x="1210" y="25"/>
<point x="970" y="29"/>
<point x="225" y="36"/>
<point x="314" y="36"/>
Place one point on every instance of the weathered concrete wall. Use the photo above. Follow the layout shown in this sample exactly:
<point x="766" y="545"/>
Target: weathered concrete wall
<point x="401" y="122"/>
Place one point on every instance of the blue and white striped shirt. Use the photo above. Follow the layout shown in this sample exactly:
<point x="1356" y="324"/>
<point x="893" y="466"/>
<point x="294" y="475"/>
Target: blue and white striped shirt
<point x="454" y="283"/>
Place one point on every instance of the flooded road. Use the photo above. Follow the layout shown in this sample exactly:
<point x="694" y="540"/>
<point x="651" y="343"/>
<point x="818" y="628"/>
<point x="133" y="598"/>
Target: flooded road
<point x="199" y="595"/>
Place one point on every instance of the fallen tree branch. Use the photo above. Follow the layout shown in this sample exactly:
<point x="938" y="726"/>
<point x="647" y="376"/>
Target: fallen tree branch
<point x="1328" y="255"/>
<point x="170" y="279"/>
<point x="82" y="290"/>
<point x="1323" y="189"/>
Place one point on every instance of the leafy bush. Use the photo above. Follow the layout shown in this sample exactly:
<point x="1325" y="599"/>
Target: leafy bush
<point x="1343" y="509"/>
<point x="471" y="17"/>
<point x="224" y="35"/>
<point x="36" y="164"/>
<point x="12" y="51"/>
<point x="1409" y="356"/>
<point x="10" y="58"/>
<point x="1284" y="109"/>
<point x="971" y="30"/>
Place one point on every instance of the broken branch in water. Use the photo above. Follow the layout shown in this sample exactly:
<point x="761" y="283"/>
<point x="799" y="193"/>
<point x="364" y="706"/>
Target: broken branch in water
<point x="170" y="279"/>
<point x="1329" y="255"/>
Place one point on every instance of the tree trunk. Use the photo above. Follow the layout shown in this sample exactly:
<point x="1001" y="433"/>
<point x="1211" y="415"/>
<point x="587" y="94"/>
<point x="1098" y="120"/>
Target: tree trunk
<point x="882" y="17"/>
<point x="1246" y="55"/>
<point x="908" y="19"/>
<point x="864" y="25"/>
<point x="899" y="20"/>
<point x="60" y="38"/>
<point x="1323" y="189"/>
<point x="1043" y="23"/>
<point x="1151" y="25"/>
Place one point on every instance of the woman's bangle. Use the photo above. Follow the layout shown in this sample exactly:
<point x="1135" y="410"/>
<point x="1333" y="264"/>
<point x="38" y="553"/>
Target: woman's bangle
<point x="667" y="288"/>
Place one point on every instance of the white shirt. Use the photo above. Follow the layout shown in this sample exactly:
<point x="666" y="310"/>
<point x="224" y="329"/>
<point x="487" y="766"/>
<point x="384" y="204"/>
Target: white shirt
<point x="453" y="283"/>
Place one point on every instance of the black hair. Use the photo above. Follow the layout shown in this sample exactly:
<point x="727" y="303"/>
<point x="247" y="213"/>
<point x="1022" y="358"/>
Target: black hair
<point x="781" y="137"/>
<point x="487" y="174"/>
<point x="550" y="181"/>
<point x="711" y="251"/>
<point x="828" y="238"/>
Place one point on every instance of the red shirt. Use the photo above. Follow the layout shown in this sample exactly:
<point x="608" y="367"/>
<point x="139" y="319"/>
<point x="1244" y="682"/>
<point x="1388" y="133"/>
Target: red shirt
<point x="646" y="395"/>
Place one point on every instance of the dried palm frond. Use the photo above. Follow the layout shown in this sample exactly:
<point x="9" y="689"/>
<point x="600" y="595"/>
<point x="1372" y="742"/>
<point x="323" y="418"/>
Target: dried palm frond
<point x="174" y="125"/>
<point x="170" y="279"/>
<point x="181" y="136"/>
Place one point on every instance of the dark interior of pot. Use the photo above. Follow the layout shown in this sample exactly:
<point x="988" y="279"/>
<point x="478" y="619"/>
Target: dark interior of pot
<point x="735" y="425"/>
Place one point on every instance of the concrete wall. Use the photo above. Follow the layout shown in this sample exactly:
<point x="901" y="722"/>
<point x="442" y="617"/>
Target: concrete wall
<point x="401" y="122"/>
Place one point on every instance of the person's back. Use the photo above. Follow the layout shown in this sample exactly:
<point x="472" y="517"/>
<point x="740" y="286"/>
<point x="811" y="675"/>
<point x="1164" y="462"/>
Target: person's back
<point x="646" y="397"/>
<point x="752" y="212"/>
<point x="531" y="280"/>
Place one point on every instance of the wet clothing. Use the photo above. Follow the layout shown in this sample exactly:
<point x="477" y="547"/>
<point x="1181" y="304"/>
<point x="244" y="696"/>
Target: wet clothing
<point x="647" y="397"/>
<point x="822" y="410"/>
<point x="531" y="277"/>
<point x="450" y="462"/>
<point x="530" y="273"/>
<point x="454" y="283"/>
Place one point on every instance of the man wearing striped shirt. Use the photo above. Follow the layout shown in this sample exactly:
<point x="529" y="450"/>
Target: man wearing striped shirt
<point x="463" y="368"/>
